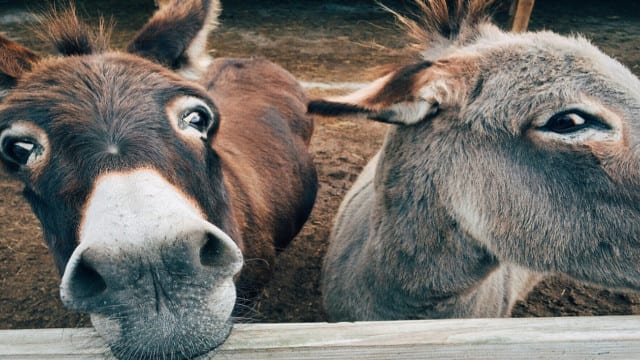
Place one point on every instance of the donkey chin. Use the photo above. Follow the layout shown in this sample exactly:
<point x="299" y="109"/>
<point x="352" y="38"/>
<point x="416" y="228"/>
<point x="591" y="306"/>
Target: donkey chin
<point x="160" y="315"/>
<point x="181" y="328"/>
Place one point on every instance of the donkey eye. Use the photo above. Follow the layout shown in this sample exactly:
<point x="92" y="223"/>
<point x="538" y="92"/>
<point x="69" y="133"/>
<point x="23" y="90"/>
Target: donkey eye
<point x="569" y="122"/>
<point x="192" y="116"/>
<point x="19" y="151"/>
<point x="198" y="119"/>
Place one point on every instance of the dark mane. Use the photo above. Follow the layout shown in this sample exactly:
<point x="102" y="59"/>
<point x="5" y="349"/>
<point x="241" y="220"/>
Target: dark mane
<point x="436" y="24"/>
<point x="69" y="35"/>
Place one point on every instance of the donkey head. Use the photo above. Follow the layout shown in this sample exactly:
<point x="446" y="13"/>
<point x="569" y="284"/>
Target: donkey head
<point x="115" y="151"/>
<point x="530" y="143"/>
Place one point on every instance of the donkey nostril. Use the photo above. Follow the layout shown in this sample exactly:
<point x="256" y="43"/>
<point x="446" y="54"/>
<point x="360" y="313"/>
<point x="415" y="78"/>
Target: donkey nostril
<point x="212" y="253"/>
<point x="87" y="282"/>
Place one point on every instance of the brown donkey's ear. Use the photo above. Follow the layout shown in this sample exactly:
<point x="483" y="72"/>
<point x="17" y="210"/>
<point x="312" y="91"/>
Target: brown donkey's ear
<point x="182" y="50"/>
<point x="404" y="97"/>
<point x="14" y="61"/>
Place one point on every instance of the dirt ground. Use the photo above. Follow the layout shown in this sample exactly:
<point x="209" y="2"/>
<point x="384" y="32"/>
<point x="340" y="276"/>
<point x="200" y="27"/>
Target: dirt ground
<point x="317" y="41"/>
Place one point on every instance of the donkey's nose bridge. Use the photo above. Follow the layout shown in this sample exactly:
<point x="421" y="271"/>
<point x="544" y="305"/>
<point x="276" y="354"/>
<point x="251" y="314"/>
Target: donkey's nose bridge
<point x="136" y="224"/>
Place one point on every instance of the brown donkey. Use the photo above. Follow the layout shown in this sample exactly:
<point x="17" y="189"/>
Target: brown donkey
<point x="512" y="156"/>
<point x="151" y="188"/>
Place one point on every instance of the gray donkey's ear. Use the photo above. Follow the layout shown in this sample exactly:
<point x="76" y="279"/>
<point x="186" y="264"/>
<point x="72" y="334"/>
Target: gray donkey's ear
<point x="15" y="60"/>
<point x="184" y="51"/>
<point x="404" y="97"/>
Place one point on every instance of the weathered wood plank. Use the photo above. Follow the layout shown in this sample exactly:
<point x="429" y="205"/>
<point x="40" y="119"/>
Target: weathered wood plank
<point x="613" y="337"/>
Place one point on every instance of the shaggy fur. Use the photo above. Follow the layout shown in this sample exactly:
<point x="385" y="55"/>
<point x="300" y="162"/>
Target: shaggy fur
<point x="241" y="174"/>
<point x="515" y="157"/>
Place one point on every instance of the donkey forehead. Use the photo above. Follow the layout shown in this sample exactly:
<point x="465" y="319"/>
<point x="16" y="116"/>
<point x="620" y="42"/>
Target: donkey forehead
<point x="112" y="79"/>
<point x="103" y="92"/>
<point x="104" y="111"/>
<point x="551" y="66"/>
<point x="516" y="78"/>
<point x="553" y="56"/>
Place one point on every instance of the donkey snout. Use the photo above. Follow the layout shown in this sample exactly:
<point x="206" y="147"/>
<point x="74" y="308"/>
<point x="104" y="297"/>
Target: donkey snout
<point x="84" y="280"/>
<point x="210" y="252"/>
<point x="107" y="273"/>
<point x="143" y="240"/>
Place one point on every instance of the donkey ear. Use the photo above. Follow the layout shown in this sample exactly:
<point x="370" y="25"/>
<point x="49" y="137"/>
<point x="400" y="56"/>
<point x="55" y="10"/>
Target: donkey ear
<point x="176" y="35"/>
<point x="404" y="97"/>
<point x="15" y="60"/>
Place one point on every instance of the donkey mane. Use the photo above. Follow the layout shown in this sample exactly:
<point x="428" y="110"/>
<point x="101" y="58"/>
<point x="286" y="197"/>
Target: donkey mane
<point x="437" y="26"/>
<point x="156" y="41"/>
<point x="70" y="36"/>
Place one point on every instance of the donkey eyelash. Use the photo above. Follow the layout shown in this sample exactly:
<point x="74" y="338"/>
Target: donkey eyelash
<point x="588" y="121"/>
<point x="199" y="108"/>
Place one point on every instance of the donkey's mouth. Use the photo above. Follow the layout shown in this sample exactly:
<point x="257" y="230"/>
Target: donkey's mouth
<point x="186" y="346"/>
<point x="185" y="329"/>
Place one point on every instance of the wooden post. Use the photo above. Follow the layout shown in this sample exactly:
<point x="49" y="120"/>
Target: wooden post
<point x="520" y="14"/>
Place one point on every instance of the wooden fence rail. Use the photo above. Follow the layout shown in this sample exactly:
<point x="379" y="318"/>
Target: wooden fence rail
<point x="611" y="337"/>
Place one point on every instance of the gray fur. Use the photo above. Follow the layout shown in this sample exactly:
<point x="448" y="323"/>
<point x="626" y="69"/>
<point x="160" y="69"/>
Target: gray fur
<point x="464" y="211"/>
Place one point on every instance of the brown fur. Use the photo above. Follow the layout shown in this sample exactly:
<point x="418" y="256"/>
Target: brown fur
<point x="254" y="164"/>
<point x="441" y="21"/>
<point x="157" y="40"/>
<point x="97" y="115"/>
<point x="70" y="36"/>
<point x="395" y="88"/>
<point x="14" y="60"/>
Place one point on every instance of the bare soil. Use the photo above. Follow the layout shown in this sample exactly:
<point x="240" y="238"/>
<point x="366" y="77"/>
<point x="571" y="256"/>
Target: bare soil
<point x="316" y="41"/>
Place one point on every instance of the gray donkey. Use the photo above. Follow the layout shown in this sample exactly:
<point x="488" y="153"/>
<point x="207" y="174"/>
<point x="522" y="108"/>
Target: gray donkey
<point x="513" y="156"/>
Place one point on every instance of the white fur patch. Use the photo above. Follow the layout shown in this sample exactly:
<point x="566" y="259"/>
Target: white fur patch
<point x="427" y="103"/>
<point x="583" y="136"/>
<point x="471" y="219"/>
<point x="199" y="60"/>
<point x="132" y="211"/>
<point x="410" y="113"/>
<point x="132" y="207"/>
